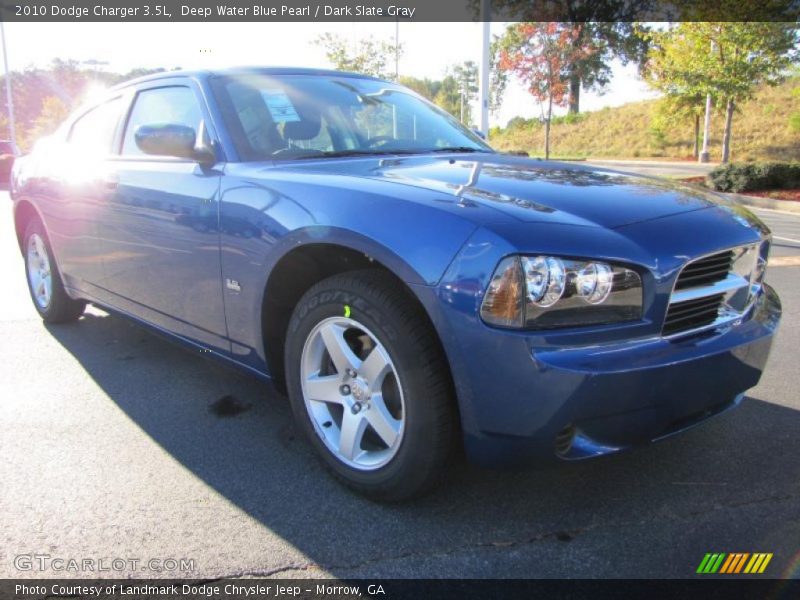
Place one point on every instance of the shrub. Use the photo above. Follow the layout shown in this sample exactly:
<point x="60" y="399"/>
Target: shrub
<point x="794" y="121"/>
<point x="517" y="123"/>
<point x="759" y="176"/>
<point x="568" y="119"/>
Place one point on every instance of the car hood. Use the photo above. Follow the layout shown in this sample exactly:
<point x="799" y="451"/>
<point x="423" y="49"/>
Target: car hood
<point x="529" y="190"/>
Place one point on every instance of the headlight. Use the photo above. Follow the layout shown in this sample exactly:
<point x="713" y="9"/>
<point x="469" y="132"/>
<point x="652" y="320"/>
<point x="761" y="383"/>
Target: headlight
<point x="541" y="292"/>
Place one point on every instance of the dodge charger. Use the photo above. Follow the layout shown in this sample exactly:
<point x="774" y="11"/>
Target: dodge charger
<point x="410" y="289"/>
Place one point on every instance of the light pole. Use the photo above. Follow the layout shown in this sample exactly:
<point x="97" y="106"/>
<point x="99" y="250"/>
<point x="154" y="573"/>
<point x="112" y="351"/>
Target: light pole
<point x="483" y="87"/>
<point x="12" y="133"/>
<point x="705" y="155"/>
<point x="397" y="50"/>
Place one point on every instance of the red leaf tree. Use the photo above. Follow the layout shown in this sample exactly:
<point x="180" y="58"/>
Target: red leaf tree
<point x="540" y="56"/>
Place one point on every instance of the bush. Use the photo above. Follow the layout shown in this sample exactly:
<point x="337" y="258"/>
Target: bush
<point x="517" y="123"/>
<point x="568" y="119"/>
<point x="759" y="176"/>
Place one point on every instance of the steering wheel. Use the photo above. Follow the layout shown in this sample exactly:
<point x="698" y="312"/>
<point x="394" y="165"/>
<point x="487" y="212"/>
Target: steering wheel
<point x="374" y="141"/>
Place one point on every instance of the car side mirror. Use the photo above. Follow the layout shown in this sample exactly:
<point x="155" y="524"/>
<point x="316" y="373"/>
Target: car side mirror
<point x="179" y="141"/>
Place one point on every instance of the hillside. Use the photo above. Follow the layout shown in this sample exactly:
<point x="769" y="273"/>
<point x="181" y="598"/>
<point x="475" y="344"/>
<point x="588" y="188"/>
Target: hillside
<point x="765" y="128"/>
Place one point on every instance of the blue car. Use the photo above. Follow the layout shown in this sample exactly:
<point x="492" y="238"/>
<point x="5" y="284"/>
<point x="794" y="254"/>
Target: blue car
<point x="410" y="289"/>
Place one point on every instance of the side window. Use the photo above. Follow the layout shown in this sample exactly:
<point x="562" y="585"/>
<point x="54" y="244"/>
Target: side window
<point x="173" y="105"/>
<point x="94" y="131"/>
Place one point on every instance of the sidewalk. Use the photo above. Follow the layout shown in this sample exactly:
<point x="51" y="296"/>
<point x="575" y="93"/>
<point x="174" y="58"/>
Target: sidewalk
<point x="767" y="203"/>
<point x="671" y="169"/>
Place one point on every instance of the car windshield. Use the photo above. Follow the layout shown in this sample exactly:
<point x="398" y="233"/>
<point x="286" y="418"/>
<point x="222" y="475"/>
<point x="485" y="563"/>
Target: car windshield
<point x="290" y="117"/>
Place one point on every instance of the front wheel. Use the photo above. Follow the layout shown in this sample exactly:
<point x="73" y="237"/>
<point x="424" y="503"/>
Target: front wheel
<point x="369" y="385"/>
<point x="44" y="281"/>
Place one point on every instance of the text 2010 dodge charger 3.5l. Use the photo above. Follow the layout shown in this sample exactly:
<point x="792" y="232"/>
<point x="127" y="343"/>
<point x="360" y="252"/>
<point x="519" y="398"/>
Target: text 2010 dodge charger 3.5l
<point x="409" y="287"/>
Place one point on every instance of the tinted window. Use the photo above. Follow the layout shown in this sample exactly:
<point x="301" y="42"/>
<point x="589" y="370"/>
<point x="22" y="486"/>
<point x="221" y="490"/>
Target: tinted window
<point x="94" y="131"/>
<point x="299" y="116"/>
<point x="168" y="105"/>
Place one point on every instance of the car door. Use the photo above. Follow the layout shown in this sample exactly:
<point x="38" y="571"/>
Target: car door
<point x="160" y="230"/>
<point x="74" y="191"/>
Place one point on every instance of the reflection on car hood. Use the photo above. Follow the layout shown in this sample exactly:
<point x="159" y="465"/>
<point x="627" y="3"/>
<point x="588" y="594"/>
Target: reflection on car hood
<point x="530" y="190"/>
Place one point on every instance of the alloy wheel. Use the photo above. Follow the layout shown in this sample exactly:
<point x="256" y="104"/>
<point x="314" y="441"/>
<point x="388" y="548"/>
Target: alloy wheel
<point x="352" y="393"/>
<point x="39" y="274"/>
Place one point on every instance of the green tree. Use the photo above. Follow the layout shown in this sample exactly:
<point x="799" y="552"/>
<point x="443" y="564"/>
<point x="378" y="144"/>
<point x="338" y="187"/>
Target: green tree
<point x="448" y="96"/>
<point x="498" y="78"/>
<point x="453" y="93"/>
<point x="369" y="56"/>
<point x="724" y="59"/>
<point x="466" y="77"/>
<point x="673" y="112"/>
<point x="427" y="88"/>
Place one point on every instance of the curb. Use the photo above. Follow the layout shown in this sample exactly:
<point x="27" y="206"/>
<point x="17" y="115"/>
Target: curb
<point x="768" y="203"/>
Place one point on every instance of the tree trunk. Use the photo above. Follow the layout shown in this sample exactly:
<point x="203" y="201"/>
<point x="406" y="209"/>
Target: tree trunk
<point x="696" y="149"/>
<point x="574" y="93"/>
<point x="547" y="129"/>
<point x="726" y="137"/>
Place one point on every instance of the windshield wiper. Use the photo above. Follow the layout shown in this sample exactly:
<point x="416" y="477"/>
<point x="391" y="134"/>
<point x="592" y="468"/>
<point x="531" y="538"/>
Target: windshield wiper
<point x="458" y="149"/>
<point x="333" y="154"/>
<point x="345" y="153"/>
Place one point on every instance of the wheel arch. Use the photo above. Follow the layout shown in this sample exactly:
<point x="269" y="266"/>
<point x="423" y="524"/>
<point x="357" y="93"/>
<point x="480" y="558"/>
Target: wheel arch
<point x="24" y="212"/>
<point x="297" y="270"/>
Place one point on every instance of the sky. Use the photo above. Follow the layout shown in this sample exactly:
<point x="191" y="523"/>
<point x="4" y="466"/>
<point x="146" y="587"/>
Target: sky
<point x="429" y="48"/>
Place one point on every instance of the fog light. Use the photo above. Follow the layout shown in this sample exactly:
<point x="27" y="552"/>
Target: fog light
<point x="564" y="439"/>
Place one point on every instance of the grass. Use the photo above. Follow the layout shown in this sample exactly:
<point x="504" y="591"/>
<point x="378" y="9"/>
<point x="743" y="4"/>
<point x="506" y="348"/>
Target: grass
<point x="765" y="128"/>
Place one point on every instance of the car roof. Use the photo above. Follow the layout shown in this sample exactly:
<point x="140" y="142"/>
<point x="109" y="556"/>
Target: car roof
<point x="232" y="71"/>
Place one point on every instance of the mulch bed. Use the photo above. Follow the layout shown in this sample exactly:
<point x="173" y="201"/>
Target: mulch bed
<point x="790" y="195"/>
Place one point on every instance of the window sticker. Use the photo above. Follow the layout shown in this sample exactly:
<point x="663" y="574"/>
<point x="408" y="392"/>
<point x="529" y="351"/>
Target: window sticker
<point x="279" y="105"/>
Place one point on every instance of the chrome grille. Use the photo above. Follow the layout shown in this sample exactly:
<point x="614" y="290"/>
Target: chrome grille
<point x="692" y="314"/>
<point x="705" y="271"/>
<point x="715" y="290"/>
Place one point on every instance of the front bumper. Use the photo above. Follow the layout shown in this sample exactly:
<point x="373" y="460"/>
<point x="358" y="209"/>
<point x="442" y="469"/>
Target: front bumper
<point x="520" y="403"/>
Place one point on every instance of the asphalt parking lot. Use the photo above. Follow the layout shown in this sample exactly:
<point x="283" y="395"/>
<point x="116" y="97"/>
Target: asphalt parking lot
<point x="118" y="444"/>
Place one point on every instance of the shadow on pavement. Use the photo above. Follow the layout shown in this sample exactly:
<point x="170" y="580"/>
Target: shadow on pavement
<point x="235" y="434"/>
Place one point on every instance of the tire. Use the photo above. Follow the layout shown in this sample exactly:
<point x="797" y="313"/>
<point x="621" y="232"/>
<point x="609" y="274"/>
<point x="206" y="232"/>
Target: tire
<point x="47" y="291"/>
<point x="410" y="400"/>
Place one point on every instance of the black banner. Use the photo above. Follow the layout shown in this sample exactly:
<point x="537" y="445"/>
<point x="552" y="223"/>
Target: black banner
<point x="399" y="10"/>
<point x="713" y="588"/>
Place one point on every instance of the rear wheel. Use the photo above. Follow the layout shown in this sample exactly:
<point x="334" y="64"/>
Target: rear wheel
<point x="44" y="281"/>
<point x="369" y="385"/>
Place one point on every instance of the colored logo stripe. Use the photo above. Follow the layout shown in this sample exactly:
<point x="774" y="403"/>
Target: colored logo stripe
<point x="721" y="562"/>
<point x="758" y="563"/>
<point x="711" y="563"/>
<point x="734" y="563"/>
